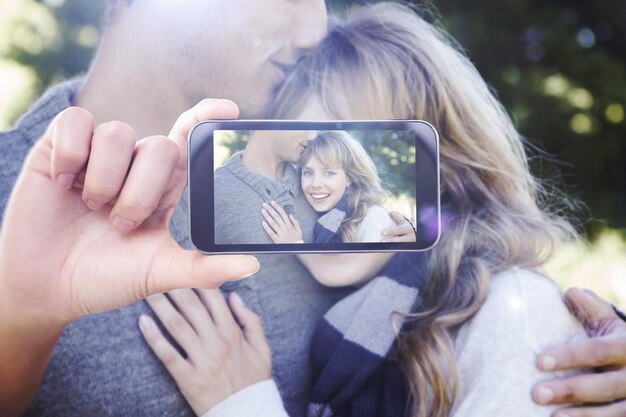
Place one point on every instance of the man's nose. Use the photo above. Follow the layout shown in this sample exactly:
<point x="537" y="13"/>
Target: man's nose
<point x="311" y="24"/>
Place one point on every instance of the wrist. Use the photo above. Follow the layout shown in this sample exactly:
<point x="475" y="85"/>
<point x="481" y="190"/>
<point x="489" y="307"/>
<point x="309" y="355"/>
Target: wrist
<point x="20" y="312"/>
<point x="26" y="304"/>
<point x="20" y="320"/>
<point x="27" y="342"/>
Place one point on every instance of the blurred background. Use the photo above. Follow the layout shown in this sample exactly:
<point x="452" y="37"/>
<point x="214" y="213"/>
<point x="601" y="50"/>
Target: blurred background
<point x="559" y="67"/>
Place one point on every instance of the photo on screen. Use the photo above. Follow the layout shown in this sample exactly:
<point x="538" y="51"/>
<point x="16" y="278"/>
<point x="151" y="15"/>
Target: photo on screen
<point x="348" y="181"/>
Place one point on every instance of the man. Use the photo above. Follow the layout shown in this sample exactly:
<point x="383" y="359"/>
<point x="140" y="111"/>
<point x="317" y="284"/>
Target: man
<point x="79" y="240"/>
<point x="262" y="173"/>
<point x="155" y="60"/>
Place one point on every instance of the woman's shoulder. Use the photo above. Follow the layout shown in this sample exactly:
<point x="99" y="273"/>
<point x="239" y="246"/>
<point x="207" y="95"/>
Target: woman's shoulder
<point x="523" y="314"/>
<point x="522" y="303"/>
<point x="375" y="221"/>
<point x="376" y="211"/>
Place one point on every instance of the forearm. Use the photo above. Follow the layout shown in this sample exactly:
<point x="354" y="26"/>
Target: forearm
<point x="344" y="268"/>
<point x="26" y="345"/>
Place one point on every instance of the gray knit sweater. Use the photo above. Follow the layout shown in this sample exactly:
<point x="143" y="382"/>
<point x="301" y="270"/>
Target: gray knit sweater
<point x="103" y="367"/>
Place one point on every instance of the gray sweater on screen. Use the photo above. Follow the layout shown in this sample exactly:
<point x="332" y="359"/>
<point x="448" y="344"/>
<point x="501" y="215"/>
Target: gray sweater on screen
<point x="103" y="367"/>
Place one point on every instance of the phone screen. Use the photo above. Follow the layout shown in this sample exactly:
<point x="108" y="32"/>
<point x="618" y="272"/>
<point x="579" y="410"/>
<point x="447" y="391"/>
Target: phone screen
<point x="304" y="186"/>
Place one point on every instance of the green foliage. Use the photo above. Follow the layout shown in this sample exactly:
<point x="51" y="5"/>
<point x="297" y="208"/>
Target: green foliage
<point x="558" y="67"/>
<point x="55" y="42"/>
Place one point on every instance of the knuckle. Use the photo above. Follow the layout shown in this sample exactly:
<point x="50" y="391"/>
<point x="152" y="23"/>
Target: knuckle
<point x="115" y="130"/>
<point x="223" y="350"/>
<point x="568" y="392"/>
<point x="67" y="152"/>
<point x="168" y="358"/>
<point x="73" y="115"/>
<point x="601" y="352"/>
<point x="75" y="111"/>
<point x="255" y="320"/>
<point x="136" y="204"/>
<point x="176" y="322"/>
<point x="198" y="381"/>
<point x="99" y="191"/>
<point x="161" y="148"/>
<point x="212" y="366"/>
<point x="235" y="337"/>
<point x="188" y="299"/>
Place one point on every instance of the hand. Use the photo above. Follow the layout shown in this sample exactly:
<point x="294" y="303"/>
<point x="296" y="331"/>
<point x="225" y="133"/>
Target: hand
<point x="224" y="353"/>
<point x="68" y="249"/>
<point x="403" y="232"/>
<point x="605" y="352"/>
<point x="280" y="226"/>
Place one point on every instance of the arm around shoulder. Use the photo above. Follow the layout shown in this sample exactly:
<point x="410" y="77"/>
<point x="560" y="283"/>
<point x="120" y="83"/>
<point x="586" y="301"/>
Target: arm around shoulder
<point x="496" y="350"/>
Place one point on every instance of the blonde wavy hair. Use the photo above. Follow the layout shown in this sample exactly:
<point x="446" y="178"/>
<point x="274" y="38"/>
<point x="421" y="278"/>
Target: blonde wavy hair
<point x="384" y="61"/>
<point x="339" y="148"/>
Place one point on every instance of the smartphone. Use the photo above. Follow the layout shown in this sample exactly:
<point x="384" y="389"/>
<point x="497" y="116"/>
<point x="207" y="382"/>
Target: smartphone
<point x="275" y="186"/>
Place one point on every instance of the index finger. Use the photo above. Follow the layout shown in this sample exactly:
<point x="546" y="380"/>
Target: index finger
<point x="280" y="211"/>
<point x="590" y="353"/>
<point x="69" y="137"/>
<point x="399" y="234"/>
<point x="205" y="110"/>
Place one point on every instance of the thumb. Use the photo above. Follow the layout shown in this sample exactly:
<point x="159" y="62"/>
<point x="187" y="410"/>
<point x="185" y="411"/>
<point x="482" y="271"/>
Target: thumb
<point x="174" y="267"/>
<point x="590" y="309"/>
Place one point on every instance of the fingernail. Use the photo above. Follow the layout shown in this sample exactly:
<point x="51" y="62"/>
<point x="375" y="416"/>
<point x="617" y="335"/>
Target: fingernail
<point x="146" y="323"/>
<point x="545" y="395"/>
<point x="65" y="181"/>
<point x="122" y="225"/>
<point x="94" y="206"/>
<point x="548" y="363"/>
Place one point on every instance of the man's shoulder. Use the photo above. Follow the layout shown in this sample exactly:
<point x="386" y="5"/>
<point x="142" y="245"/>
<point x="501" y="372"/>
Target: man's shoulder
<point x="228" y="185"/>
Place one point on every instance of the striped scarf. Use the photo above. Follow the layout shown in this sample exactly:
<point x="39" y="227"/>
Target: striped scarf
<point x="326" y="230"/>
<point x="354" y="373"/>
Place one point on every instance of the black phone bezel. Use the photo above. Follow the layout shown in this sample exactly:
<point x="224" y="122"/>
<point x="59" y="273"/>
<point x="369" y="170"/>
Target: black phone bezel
<point x="201" y="192"/>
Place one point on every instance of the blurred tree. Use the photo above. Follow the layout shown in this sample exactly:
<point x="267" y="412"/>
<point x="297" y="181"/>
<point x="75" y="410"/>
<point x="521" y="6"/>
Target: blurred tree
<point x="55" y="39"/>
<point x="558" y="66"/>
<point x="393" y="153"/>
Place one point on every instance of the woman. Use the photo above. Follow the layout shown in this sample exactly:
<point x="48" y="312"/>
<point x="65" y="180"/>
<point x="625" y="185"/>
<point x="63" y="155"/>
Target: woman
<point x="468" y="347"/>
<point x="340" y="180"/>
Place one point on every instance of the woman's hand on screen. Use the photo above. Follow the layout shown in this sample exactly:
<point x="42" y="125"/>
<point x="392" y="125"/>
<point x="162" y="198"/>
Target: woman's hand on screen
<point x="226" y="347"/>
<point x="280" y="226"/>
<point x="403" y="231"/>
